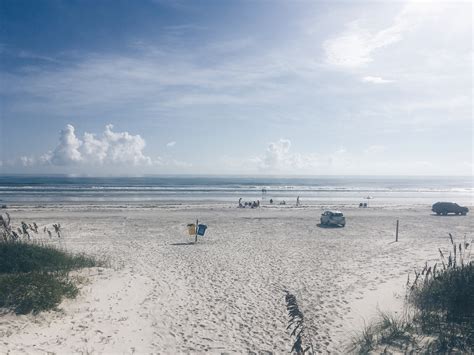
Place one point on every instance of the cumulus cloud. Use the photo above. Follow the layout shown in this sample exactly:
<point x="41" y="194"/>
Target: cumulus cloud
<point x="67" y="151"/>
<point x="277" y="154"/>
<point x="279" y="158"/>
<point x="109" y="152"/>
<point x="95" y="149"/>
<point x="27" y="161"/>
<point x="123" y="147"/>
<point x="376" y="80"/>
<point x="171" y="144"/>
<point x="112" y="148"/>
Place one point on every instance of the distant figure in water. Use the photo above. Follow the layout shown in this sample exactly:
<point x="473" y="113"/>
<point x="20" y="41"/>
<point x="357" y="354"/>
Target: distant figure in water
<point x="240" y="202"/>
<point x="297" y="201"/>
<point x="271" y="201"/>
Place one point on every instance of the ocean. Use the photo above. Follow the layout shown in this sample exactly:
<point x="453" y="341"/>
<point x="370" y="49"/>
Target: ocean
<point x="199" y="189"/>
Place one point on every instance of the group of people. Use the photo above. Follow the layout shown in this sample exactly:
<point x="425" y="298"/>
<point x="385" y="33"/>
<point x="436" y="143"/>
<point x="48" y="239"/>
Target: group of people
<point x="253" y="204"/>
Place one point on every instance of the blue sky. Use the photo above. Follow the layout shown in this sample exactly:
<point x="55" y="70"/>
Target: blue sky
<point x="236" y="87"/>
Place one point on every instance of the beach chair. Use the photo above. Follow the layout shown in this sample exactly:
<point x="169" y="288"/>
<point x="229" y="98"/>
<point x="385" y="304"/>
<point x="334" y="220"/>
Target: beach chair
<point x="192" y="229"/>
<point x="201" y="229"/>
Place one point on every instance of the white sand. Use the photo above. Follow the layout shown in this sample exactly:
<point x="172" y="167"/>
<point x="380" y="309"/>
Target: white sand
<point x="225" y="294"/>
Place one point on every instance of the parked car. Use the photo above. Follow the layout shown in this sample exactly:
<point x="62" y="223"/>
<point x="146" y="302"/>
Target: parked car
<point x="449" y="207"/>
<point x="335" y="218"/>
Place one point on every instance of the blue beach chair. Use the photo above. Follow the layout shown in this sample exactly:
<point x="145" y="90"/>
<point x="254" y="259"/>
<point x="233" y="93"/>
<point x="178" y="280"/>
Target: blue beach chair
<point x="201" y="229"/>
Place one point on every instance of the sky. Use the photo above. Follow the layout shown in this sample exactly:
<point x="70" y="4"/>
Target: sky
<point x="236" y="87"/>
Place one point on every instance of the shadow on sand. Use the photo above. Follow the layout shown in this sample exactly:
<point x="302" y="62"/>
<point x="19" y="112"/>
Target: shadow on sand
<point x="329" y="226"/>
<point x="448" y="215"/>
<point x="187" y="243"/>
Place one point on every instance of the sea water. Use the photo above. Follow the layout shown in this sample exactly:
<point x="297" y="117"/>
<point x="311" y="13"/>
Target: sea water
<point x="200" y="189"/>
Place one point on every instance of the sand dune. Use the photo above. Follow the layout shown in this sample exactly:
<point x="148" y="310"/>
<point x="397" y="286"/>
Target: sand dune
<point x="226" y="293"/>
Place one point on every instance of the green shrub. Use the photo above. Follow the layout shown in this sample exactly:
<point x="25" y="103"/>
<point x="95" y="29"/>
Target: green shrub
<point x="444" y="303"/>
<point x="34" y="276"/>
<point x="28" y="257"/>
<point x="441" y="303"/>
<point x="34" y="292"/>
<point x="450" y="293"/>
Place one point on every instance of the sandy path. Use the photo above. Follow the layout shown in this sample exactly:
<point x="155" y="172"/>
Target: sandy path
<point x="224" y="294"/>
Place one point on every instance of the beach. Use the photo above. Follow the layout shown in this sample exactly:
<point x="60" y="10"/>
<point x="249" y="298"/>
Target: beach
<point x="236" y="177"/>
<point x="225" y="294"/>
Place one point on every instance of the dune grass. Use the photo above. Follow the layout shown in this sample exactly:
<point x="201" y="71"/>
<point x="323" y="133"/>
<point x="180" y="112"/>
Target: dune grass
<point x="441" y="303"/>
<point x="34" y="276"/>
<point x="444" y="300"/>
<point x="389" y="330"/>
<point x="301" y="345"/>
<point x="34" y="291"/>
<point x="21" y="257"/>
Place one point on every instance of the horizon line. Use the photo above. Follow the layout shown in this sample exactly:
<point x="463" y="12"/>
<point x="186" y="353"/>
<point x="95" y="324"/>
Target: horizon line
<point x="232" y="175"/>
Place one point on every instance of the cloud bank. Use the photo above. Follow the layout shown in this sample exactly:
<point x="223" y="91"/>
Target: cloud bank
<point x="279" y="158"/>
<point x="112" y="148"/>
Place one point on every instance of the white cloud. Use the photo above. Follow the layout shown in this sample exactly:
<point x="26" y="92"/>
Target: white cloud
<point x="67" y="151"/>
<point x="27" y="161"/>
<point x="95" y="149"/>
<point x="278" y="158"/>
<point x="113" y="148"/>
<point x="355" y="47"/>
<point x="123" y="147"/>
<point x="171" y="144"/>
<point x="111" y="153"/>
<point x="376" y="80"/>
<point x="277" y="154"/>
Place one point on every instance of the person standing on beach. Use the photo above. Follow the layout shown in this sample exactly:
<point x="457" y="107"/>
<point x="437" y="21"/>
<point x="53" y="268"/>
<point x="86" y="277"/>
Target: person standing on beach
<point x="297" y="201"/>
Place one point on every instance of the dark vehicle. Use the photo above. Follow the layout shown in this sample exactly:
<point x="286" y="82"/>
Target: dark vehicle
<point x="449" y="207"/>
<point x="334" y="218"/>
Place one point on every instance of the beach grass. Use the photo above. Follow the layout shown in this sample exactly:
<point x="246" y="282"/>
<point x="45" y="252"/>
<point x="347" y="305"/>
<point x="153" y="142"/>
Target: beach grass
<point x="34" y="291"/>
<point x="389" y="330"/>
<point x="22" y="257"/>
<point x="441" y="310"/>
<point x="34" y="276"/>
<point x="301" y="345"/>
